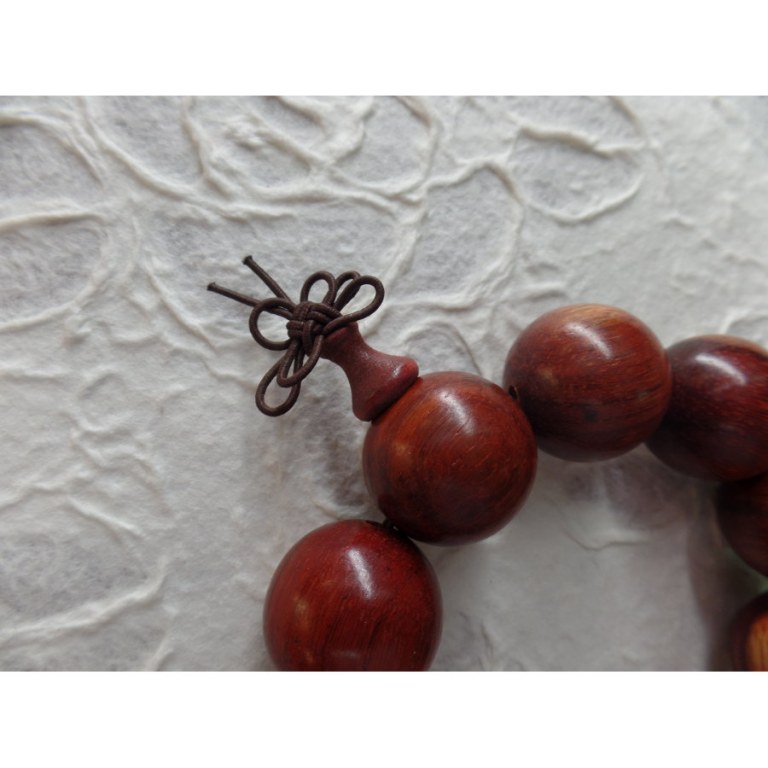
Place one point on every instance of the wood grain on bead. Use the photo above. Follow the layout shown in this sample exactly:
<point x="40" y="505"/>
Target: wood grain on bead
<point x="749" y="637"/>
<point x="593" y="381"/>
<point x="716" y="427"/>
<point x="742" y="510"/>
<point x="355" y="596"/>
<point x="375" y="378"/>
<point x="452" y="460"/>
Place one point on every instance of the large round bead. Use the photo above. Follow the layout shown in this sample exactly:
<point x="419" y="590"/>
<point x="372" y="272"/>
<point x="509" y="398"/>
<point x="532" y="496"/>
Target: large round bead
<point x="716" y="427"/>
<point x="749" y="637"/>
<point x="452" y="460"/>
<point x="353" y="596"/>
<point x="742" y="510"/>
<point x="593" y="381"/>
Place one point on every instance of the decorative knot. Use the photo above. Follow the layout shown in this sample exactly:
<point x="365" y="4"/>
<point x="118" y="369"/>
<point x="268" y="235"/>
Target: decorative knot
<point x="308" y="324"/>
<point x="308" y="321"/>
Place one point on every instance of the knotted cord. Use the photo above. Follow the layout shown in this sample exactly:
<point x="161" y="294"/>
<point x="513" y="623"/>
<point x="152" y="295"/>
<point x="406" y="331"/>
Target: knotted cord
<point x="308" y="324"/>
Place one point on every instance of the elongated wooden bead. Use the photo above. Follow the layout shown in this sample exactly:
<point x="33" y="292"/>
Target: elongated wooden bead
<point x="376" y="379"/>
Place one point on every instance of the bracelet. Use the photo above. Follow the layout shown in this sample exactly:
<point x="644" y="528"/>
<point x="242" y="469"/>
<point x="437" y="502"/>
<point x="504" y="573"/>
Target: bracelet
<point x="449" y="458"/>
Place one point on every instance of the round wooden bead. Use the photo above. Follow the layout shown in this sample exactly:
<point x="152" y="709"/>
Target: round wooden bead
<point x="716" y="427"/>
<point x="749" y="637"/>
<point x="355" y="596"/>
<point x="742" y="510"/>
<point x="452" y="460"/>
<point x="593" y="381"/>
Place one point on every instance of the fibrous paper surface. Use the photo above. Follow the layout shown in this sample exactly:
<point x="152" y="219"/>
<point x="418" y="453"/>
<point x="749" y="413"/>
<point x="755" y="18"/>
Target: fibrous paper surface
<point x="145" y="502"/>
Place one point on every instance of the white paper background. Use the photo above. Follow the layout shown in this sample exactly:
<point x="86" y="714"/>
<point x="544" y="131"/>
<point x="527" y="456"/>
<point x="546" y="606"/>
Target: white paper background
<point x="144" y="500"/>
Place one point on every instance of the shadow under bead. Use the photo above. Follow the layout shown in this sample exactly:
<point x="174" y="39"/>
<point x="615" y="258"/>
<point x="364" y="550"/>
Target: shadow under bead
<point x="593" y="380"/>
<point x="716" y="427"/>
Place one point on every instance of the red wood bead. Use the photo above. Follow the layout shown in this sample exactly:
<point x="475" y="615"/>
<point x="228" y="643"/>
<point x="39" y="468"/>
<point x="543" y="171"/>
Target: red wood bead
<point x="749" y="637"/>
<point x="452" y="460"/>
<point x="716" y="427"/>
<point x="742" y="510"/>
<point x="593" y="381"/>
<point x="353" y="596"/>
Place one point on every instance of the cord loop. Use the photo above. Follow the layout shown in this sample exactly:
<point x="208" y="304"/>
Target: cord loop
<point x="308" y="323"/>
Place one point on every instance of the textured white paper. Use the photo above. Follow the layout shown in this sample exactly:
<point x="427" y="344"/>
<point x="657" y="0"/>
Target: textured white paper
<point x="145" y="502"/>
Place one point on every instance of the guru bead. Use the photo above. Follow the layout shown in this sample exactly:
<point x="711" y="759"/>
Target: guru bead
<point x="742" y="511"/>
<point x="353" y="595"/>
<point x="749" y="637"/>
<point x="452" y="460"/>
<point x="716" y="427"/>
<point x="593" y="381"/>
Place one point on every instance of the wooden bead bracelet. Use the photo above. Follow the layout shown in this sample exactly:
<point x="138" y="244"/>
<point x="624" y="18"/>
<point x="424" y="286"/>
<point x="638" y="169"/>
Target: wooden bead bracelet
<point x="449" y="458"/>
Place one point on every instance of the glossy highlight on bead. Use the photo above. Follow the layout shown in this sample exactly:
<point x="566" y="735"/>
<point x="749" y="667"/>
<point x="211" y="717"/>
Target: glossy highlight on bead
<point x="716" y="427"/>
<point x="449" y="458"/>
<point x="353" y="596"/>
<point x="593" y="381"/>
<point x="452" y="460"/>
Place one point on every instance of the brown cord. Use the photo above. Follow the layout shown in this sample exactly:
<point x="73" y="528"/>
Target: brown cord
<point x="308" y="323"/>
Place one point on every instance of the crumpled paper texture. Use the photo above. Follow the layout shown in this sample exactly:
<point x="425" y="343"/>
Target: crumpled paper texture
<point x="145" y="502"/>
